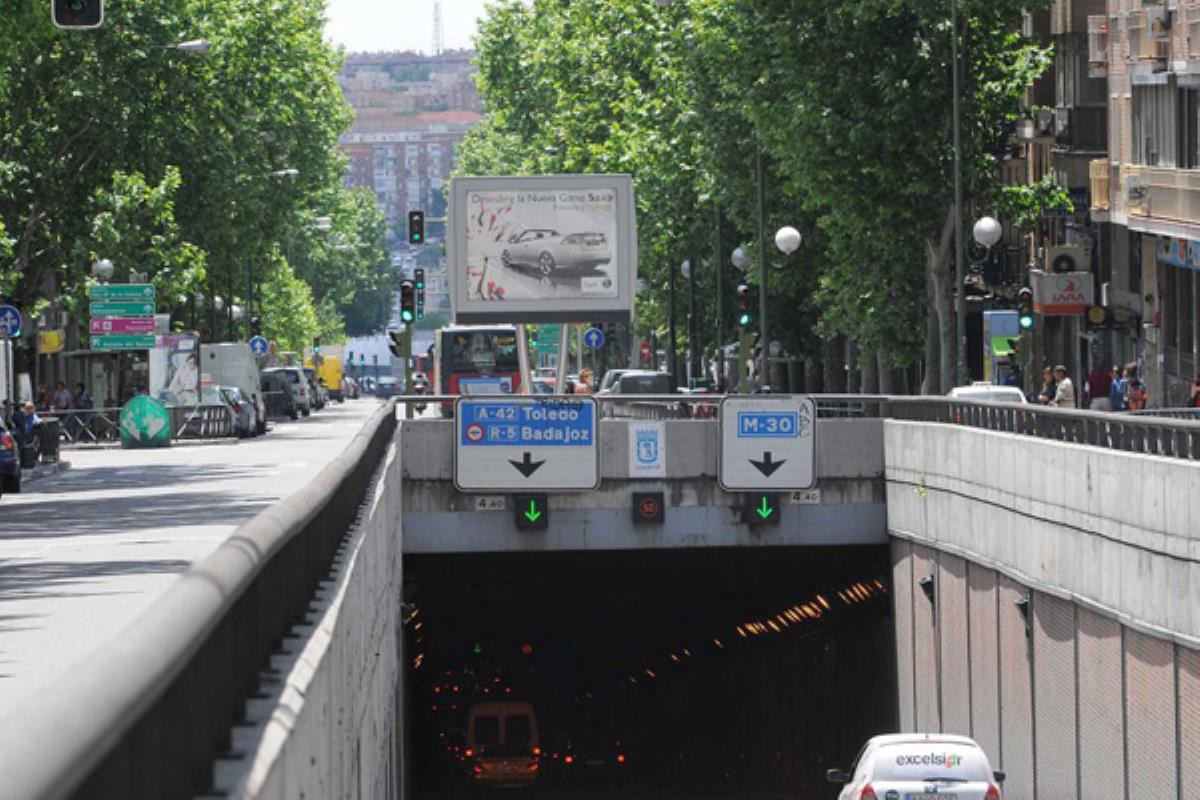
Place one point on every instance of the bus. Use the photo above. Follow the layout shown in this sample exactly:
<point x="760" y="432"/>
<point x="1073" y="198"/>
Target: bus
<point x="475" y="359"/>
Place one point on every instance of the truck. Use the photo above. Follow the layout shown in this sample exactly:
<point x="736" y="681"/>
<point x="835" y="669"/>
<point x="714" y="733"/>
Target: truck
<point x="232" y="364"/>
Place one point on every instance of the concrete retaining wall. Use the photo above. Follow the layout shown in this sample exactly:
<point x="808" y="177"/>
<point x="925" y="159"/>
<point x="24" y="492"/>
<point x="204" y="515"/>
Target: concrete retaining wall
<point x="329" y="723"/>
<point x="1114" y="531"/>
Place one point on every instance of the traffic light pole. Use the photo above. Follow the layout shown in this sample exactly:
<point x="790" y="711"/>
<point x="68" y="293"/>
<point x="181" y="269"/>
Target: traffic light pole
<point x="745" y="338"/>
<point x="406" y="354"/>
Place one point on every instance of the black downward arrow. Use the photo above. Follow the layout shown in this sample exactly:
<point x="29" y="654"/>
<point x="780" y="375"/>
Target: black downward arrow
<point x="767" y="467"/>
<point x="527" y="466"/>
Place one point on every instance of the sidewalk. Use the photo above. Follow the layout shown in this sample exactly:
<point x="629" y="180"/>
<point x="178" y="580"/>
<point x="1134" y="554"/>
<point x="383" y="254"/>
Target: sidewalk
<point x="44" y="470"/>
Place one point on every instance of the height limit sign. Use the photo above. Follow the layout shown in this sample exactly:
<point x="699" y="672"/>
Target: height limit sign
<point x="768" y="443"/>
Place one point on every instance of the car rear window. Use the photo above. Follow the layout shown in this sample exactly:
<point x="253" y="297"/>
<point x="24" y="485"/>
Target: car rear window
<point x="487" y="731"/>
<point x="517" y="730"/>
<point x="918" y="761"/>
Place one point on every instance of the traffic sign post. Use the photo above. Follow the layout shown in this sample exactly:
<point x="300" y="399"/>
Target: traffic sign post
<point x="122" y="291"/>
<point x="10" y="322"/>
<point x="768" y="443"/>
<point x="526" y="444"/>
<point x="593" y="338"/>
<point x="259" y="346"/>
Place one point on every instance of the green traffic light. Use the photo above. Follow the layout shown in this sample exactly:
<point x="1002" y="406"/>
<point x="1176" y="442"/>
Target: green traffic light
<point x="1025" y="321"/>
<point x="406" y="316"/>
<point x="743" y="320"/>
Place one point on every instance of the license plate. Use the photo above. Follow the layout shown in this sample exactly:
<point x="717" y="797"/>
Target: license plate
<point x="931" y="796"/>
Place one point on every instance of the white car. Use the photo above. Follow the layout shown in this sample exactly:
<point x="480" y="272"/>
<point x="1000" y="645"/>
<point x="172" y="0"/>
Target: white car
<point x="548" y="250"/>
<point x="919" y="766"/>
<point x="986" y="392"/>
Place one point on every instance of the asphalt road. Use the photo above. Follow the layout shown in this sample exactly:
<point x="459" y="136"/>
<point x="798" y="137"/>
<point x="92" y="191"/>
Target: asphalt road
<point x="84" y="552"/>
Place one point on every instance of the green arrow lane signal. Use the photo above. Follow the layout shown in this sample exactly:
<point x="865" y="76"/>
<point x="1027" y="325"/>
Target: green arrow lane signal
<point x="533" y="515"/>
<point x="765" y="510"/>
<point x="531" y="511"/>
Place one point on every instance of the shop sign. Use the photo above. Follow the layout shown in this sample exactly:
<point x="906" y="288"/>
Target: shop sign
<point x="1062" y="293"/>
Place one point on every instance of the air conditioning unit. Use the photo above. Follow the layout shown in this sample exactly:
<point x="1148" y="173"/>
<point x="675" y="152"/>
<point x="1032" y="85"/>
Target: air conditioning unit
<point x="1068" y="258"/>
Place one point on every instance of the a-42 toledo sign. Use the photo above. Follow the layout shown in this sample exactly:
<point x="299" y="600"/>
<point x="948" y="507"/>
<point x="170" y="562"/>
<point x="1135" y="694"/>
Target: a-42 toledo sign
<point x="523" y="444"/>
<point x="559" y="248"/>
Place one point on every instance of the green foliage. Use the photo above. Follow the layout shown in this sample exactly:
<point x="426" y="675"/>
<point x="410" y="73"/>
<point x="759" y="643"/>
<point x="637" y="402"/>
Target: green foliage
<point x="1025" y="204"/>
<point x="294" y="318"/>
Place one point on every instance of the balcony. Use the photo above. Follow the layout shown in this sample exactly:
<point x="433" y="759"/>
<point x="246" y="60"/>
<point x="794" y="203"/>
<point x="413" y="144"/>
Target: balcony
<point x="1165" y="194"/>
<point x="1099" y="172"/>
<point x="1149" y="40"/>
<point x="1098" y="46"/>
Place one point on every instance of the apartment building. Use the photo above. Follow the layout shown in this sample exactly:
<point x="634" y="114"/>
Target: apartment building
<point x="1146" y="192"/>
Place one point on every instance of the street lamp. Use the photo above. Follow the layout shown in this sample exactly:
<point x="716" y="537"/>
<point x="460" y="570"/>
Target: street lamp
<point x="740" y="259"/>
<point x="102" y="269"/>
<point x="787" y="239"/>
<point x="987" y="231"/>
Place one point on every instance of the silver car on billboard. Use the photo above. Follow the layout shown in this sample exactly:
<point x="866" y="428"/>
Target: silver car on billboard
<point x="548" y="250"/>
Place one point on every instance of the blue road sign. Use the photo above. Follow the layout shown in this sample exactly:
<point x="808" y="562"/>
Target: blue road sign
<point x="768" y="425"/>
<point x="259" y="346"/>
<point x="526" y="442"/>
<point x="593" y="338"/>
<point x="10" y="322"/>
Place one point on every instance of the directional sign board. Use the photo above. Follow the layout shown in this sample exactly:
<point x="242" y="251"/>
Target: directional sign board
<point x="101" y="325"/>
<point x="593" y="338"/>
<point x="124" y="341"/>
<point x="10" y="322"/>
<point x="121" y="291"/>
<point x="123" y="308"/>
<point x="768" y="443"/>
<point x="526" y="444"/>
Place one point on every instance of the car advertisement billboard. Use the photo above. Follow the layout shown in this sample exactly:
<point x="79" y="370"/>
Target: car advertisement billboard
<point x="559" y="248"/>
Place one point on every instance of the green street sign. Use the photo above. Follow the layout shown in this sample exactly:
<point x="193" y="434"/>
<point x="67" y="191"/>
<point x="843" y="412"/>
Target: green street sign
<point x="121" y="291"/>
<point x="548" y="338"/>
<point x="124" y="341"/>
<point x="145" y="422"/>
<point x="123" y="308"/>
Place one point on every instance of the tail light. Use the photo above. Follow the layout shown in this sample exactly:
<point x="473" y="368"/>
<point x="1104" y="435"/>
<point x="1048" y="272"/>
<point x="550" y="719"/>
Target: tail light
<point x="6" y="441"/>
<point x="993" y="792"/>
<point x="537" y="751"/>
<point x="620" y="758"/>
<point x="533" y="767"/>
<point x="469" y="753"/>
<point x="867" y="793"/>
<point x="568" y="759"/>
<point x="478" y="769"/>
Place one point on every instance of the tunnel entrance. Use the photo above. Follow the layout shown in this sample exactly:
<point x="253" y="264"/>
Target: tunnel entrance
<point x="706" y="673"/>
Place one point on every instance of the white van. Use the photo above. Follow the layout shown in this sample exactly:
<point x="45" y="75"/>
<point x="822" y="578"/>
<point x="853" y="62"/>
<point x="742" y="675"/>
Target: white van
<point x="503" y="750"/>
<point x="232" y="364"/>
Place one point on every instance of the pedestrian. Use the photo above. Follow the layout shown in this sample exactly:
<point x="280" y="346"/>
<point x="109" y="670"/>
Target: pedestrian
<point x="1116" y="392"/>
<point x="584" y="384"/>
<point x="1194" y="395"/>
<point x="1064" y="390"/>
<point x="1049" y="386"/>
<point x="1097" y="388"/>
<point x="62" y="397"/>
<point x="1013" y="376"/>
<point x="1136" y="395"/>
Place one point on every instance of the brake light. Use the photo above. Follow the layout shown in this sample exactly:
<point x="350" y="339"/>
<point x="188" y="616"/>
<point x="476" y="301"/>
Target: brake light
<point x="469" y="753"/>
<point x="478" y="769"/>
<point x="993" y="792"/>
<point x="568" y="759"/>
<point x="537" y="751"/>
<point x="6" y="441"/>
<point x="867" y="793"/>
<point x="620" y="758"/>
<point x="533" y="767"/>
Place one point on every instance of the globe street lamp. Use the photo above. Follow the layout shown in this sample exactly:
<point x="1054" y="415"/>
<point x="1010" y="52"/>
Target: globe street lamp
<point x="787" y="239"/>
<point x="741" y="259"/>
<point x="987" y="231"/>
<point x="102" y="269"/>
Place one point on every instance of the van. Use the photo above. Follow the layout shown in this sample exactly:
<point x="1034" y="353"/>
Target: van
<point x="330" y="372"/>
<point x="232" y="364"/>
<point x="503" y="749"/>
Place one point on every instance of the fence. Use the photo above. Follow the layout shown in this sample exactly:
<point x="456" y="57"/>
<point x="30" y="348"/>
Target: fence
<point x="149" y="715"/>
<point x="102" y="425"/>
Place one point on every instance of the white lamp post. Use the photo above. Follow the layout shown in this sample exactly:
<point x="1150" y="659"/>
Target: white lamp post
<point x="787" y="239"/>
<point x="987" y="231"/>
<point x="102" y="269"/>
<point x="740" y="259"/>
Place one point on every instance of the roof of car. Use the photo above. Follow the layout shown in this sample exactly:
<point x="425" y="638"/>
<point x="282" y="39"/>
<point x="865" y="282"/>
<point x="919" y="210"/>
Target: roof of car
<point x="922" y="738"/>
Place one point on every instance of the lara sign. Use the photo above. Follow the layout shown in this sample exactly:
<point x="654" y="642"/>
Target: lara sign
<point x="1062" y="293"/>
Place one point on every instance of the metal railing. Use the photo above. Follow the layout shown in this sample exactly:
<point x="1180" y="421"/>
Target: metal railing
<point x="102" y="425"/>
<point x="683" y="406"/>
<point x="148" y="715"/>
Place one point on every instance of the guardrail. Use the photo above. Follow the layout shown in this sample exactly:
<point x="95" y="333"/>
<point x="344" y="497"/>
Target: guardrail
<point x="148" y="715"/>
<point x="102" y="425"/>
<point x="681" y="406"/>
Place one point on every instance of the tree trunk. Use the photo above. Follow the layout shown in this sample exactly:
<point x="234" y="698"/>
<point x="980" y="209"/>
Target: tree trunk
<point x="835" y="365"/>
<point x="812" y="375"/>
<point x="853" y="374"/>
<point x="887" y="378"/>
<point x="941" y="282"/>
<point x="870" y="374"/>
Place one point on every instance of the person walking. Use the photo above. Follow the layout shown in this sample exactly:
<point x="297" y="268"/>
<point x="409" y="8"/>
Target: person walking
<point x="1097" y="388"/>
<point x="1049" y="386"/>
<point x="1116" y="391"/>
<point x="1064" y="391"/>
<point x="1136" y="395"/>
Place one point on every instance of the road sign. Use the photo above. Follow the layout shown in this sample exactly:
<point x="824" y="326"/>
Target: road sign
<point x="121" y="291"/>
<point x="123" y="308"/>
<point x="122" y="325"/>
<point x="10" y="322"/>
<point x="761" y="508"/>
<point x="532" y="512"/>
<point x="123" y="341"/>
<point x="259" y="346"/>
<point x="768" y="443"/>
<point x="51" y="341"/>
<point x="593" y="338"/>
<point x="520" y="444"/>
<point x="548" y="338"/>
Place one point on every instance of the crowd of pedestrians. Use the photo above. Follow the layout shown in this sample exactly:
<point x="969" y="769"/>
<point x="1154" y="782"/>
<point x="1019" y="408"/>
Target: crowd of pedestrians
<point x="1106" y="389"/>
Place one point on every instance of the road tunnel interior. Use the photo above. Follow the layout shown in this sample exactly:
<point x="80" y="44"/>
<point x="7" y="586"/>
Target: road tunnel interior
<point x="728" y="673"/>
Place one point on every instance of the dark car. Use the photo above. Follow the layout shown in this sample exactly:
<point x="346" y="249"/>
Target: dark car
<point x="10" y="462"/>
<point x="593" y="758"/>
<point x="245" y="424"/>
<point x="387" y="386"/>
<point x="277" y="394"/>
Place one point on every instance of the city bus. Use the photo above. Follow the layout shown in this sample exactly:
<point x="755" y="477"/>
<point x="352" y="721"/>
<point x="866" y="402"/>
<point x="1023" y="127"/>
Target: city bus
<point x="475" y="359"/>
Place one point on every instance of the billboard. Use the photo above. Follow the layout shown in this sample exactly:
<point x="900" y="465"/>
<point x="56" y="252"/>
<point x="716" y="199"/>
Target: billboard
<point x="175" y="370"/>
<point x="556" y="248"/>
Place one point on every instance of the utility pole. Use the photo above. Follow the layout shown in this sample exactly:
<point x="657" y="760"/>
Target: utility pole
<point x="764" y="337"/>
<point x="960" y="296"/>
<point x="719" y="268"/>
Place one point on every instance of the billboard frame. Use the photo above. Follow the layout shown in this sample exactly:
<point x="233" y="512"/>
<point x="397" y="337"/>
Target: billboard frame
<point x="560" y="310"/>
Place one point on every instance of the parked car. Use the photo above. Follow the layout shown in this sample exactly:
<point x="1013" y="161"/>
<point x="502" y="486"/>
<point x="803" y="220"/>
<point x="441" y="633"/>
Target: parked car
<point x="245" y="417"/>
<point x="278" y="396"/>
<point x="919" y="765"/>
<point x="548" y="250"/>
<point x="10" y="462"/>
<point x="300" y="388"/>
<point x="387" y="386"/>
<point x="232" y="364"/>
<point x="989" y="393"/>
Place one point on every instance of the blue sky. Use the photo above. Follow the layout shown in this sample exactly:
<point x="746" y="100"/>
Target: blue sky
<point x="400" y="24"/>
